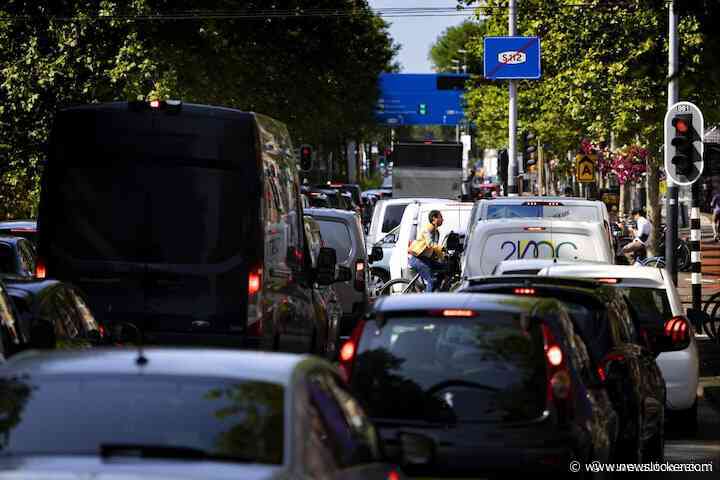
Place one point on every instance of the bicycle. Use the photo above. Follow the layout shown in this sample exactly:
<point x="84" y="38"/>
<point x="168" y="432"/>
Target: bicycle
<point x="711" y="325"/>
<point x="445" y="278"/>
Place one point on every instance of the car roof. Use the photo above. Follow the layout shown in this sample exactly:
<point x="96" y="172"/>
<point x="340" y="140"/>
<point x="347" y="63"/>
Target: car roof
<point x="193" y="362"/>
<point x="440" y="301"/>
<point x="408" y="200"/>
<point x="564" y="200"/>
<point x="331" y="212"/>
<point x="542" y="263"/>
<point x="631" y="275"/>
<point x="584" y="286"/>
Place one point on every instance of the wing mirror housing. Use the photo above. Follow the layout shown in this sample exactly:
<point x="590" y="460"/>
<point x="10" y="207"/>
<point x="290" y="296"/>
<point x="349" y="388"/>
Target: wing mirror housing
<point x="326" y="263"/>
<point x="376" y="254"/>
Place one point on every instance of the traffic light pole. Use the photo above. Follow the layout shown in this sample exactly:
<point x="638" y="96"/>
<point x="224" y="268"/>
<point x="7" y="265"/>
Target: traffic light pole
<point x="695" y="237"/>
<point x="671" y="201"/>
<point x="512" y="133"/>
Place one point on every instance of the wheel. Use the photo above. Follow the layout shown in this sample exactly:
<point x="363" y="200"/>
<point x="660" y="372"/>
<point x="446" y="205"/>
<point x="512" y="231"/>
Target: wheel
<point x="398" y="285"/>
<point x="656" y="262"/>
<point x="378" y="278"/>
<point x="683" y="256"/>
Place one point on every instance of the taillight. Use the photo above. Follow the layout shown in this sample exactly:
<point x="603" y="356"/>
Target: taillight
<point x="254" y="281"/>
<point x="559" y="382"/>
<point x="40" y="271"/>
<point x="360" y="275"/>
<point x="677" y="329"/>
<point x="603" y="366"/>
<point x="393" y="475"/>
<point x="524" y="291"/>
<point x="348" y="352"/>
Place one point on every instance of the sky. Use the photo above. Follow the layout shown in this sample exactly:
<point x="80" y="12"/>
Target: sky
<point x="416" y="35"/>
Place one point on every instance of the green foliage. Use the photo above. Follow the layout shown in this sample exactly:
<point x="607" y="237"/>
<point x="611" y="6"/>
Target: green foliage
<point x="455" y="38"/>
<point x="317" y="74"/>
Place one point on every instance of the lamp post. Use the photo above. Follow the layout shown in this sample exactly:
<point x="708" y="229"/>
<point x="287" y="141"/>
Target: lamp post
<point x="456" y="62"/>
<point x="464" y="54"/>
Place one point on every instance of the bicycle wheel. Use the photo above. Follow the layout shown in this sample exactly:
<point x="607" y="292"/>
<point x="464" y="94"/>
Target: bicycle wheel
<point x="399" y="286"/>
<point x="683" y="256"/>
<point x="657" y="262"/>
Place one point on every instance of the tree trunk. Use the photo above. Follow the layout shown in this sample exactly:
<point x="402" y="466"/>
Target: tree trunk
<point x="653" y="201"/>
<point x="625" y="198"/>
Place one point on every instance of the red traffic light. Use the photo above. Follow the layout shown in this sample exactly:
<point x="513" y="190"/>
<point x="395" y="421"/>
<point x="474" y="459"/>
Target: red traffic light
<point x="680" y="125"/>
<point x="306" y="151"/>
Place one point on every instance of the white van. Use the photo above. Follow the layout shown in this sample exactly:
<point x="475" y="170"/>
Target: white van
<point x="387" y="215"/>
<point x="455" y="219"/>
<point x="494" y="241"/>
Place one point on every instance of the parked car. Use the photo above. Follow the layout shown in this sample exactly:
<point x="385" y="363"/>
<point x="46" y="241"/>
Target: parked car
<point x="388" y="213"/>
<point x="118" y="413"/>
<point x="416" y="215"/>
<point x="654" y="297"/>
<point x="552" y="208"/>
<point x="464" y="384"/>
<point x="199" y="237"/>
<point x="20" y="228"/>
<point x="494" y="241"/>
<point x="54" y="314"/>
<point x="622" y="351"/>
<point x="17" y="257"/>
<point x="342" y="231"/>
<point x="327" y="302"/>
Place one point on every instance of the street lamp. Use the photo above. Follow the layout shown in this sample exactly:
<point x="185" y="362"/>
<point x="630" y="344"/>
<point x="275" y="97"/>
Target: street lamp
<point x="457" y="64"/>
<point x="464" y="54"/>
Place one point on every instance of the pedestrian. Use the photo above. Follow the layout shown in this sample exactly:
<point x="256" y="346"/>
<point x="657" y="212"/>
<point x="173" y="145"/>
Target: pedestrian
<point x="715" y="205"/>
<point x="637" y="247"/>
<point x="425" y="253"/>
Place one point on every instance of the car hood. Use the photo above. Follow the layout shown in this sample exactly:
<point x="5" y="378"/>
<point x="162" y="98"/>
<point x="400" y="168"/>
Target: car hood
<point x="72" y="467"/>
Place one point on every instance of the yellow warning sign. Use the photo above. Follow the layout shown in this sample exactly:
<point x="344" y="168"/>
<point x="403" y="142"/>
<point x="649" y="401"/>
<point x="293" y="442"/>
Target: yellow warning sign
<point x="585" y="167"/>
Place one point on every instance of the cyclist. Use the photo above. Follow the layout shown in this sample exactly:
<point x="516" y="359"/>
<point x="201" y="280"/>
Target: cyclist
<point x="426" y="255"/>
<point x="641" y="234"/>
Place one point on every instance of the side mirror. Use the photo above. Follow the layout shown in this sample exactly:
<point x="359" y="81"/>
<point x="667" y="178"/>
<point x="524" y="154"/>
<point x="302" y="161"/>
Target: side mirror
<point x="376" y="254"/>
<point x="326" y="262"/>
<point x="344" y="274"/>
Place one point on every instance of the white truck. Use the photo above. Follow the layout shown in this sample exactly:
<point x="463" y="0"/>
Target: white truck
<point x="427" y="169"/>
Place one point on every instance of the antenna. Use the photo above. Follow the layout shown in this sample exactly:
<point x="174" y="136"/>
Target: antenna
<point x="141" y="359"/>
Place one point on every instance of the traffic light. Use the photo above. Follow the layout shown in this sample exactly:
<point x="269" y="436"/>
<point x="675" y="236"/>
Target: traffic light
<point x="422" y="109"/>
<point x="684" y="157"/>
<point x="306" y="157"/>
<point x="529" y="150"/>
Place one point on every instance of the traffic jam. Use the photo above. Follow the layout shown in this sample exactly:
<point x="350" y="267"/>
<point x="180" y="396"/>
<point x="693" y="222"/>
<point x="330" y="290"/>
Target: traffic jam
<point x="199" y="311"/>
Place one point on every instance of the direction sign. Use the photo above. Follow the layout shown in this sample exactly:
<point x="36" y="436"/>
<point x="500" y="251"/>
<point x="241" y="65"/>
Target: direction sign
<point x="684" y="148"/>
<point x="585" y="167"/>
<point x="508" y="58"/>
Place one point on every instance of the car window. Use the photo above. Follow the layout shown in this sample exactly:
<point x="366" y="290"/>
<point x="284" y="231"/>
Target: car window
<point x="487" y="368"/>
<point x="336" y="234"/>
<point x="8" y="261"/>
<point x="584" y="213"/>
<point x="650" y="304"/>
<point x="393" y="216"/>
<point x="234" y="419"/>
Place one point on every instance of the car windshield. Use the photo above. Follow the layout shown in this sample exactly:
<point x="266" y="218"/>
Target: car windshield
<point x="584" y="213"/>
<point x="480" y="369"/>
<point x="336" y="234"/>
<point x="240" y="420"/>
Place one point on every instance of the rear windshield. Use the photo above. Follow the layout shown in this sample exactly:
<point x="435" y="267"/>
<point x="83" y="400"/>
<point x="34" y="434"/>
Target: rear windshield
<point x="585" y="213"/>
<point x="336" y="235"/>
<point x="486" y="368"/>
<point x="393" y="216"/>
<point x="240" y="420"/>
<point x="650" y="304"/>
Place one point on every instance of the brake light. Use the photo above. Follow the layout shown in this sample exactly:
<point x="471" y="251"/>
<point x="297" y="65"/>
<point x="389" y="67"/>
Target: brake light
<point x="677" y="329"/>
<point x="101" y="330"/>
<point x="524" y="291"/>
<point x="559" y="382"/>
<point x="393" y="475"/>
<point x="610" y="281"/>
<point x="348" y="352"/>
<point x="23" y="230"/>
<point x="534" y="229"/>
<point x="155" y="104"/>
<point x="254" y="281"/>
<point x="458" y="313"/>
<point x="360" y="275"/>
<point x="40" y="271"/>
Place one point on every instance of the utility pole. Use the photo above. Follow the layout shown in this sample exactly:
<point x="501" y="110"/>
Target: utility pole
<point x="541" y="170"/>
<point x="671" y="201"/>
<point x="512" y="137"/>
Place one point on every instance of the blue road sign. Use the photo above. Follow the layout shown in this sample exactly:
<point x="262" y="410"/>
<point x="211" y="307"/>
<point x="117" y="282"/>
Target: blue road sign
<point x="512" y="58"/>
<point x="420" y="99"/>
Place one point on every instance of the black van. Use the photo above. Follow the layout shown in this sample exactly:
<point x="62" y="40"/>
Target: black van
<point x="183" y="219"/>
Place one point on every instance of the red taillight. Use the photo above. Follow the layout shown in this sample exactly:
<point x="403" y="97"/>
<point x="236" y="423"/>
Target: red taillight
<point x="609" y="281"/>
<point x="393" y="475"/>
<point x="534" y="229"/>
<point x="458" y="313"/>
<point x="155" y="104"/>
<point x="554" y="355"/>
<point x="40" y="271"/>
<point x="559" y="382"/>
<point x="348" y="352"/>
<point x="101" y="329"/>
<point x="524" y="291"/>
<point x="677" y="329"/>
<point x="23" y="230"/>
<point x="360" y="275"/>
<point x="254" y="281"/>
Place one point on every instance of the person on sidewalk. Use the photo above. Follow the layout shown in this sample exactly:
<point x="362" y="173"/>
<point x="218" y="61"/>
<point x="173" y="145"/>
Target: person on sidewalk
<point x="715" y="206"/>
<point x="638" y="246"/>
<point x="426" y="254"/>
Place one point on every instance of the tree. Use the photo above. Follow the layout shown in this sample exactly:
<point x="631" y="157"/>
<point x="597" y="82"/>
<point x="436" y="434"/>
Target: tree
<point x="451" y="41"/>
